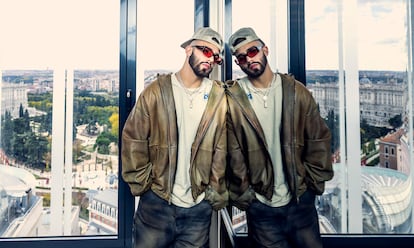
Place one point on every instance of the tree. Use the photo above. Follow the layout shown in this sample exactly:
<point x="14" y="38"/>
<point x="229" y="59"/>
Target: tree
<point x="333" y="124"/>
<point x="114" y="124"/>
<point x="103" y="141"/>
<point x="6" y="133"/>
<point x="21" y="110"/>
<point x="395" y="121"/>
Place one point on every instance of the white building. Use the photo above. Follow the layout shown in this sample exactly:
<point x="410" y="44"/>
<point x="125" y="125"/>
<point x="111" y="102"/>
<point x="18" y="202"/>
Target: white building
<point x="379" y="102"/>
<point x="12" y="96"/>
<point x="103" y="212"/>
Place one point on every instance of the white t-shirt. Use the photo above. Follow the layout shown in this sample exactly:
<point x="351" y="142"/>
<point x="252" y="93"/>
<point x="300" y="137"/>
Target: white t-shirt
<point x="267" y="104"/>
<point x="189" y="112"/>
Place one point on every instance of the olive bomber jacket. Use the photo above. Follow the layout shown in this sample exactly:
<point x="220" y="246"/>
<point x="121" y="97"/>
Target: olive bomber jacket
<point x="305" y="144"/>
<point x="150" y="143"/>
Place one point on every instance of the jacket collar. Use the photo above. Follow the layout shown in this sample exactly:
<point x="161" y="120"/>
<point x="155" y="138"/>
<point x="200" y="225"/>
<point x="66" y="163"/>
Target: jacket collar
<point x="235" y="91"/>
<point x="214" y="99"/>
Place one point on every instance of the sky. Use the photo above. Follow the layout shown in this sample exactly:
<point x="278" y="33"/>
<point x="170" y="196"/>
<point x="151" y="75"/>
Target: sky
<point x="161" y="31"/>
<point x="75" y="33"/>
<point x="29" y="31"/>
<point x="380" y="32"/>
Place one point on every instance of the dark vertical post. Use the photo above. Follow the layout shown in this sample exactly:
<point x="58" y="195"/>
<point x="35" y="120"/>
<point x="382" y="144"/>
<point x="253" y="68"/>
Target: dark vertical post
<point x="127" y="81"/>
<point x="297" y="39"/>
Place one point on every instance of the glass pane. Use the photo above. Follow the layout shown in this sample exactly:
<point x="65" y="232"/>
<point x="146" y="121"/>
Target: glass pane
<point x="264" y="24"/>
<point x="365" y="55"/>
<point x="159" y="48"/>
<point x="59" y="118"/>
<point x="159" y="44"/>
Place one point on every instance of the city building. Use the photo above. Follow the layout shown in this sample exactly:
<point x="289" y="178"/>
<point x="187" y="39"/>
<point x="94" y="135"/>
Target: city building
<point x="394" y="151"/>
<point x="13" y="97"/>
<point x="22" y="213"/>
<point x="379" y="101"/>
<point x="20" y="208"/>
<point x="386" y="201"/>
<point x="103" y="212"/>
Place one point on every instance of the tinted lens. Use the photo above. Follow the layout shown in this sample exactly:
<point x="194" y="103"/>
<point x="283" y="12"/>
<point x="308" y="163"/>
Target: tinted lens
<point x="217" y="59"/>
<point x="241" y="59"/>
<point x="208" y="53"/>
<point x="251" y="52"/>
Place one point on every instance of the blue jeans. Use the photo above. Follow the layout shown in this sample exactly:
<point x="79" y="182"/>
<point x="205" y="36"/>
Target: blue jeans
<point x="294" y="225"/>
<point x="158" y="224"/>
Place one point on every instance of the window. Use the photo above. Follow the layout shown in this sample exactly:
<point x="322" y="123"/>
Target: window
<point x="59" y="71"/>
<point x="364" y="46"/>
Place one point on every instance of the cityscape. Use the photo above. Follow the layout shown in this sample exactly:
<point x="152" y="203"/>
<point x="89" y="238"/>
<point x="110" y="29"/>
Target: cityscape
<point x="26" y="159"/>
<point x="26" y="140"/>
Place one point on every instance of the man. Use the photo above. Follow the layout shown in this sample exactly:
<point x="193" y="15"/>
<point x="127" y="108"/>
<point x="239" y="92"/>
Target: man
<point x="174" y="150"/>
<point x="279" y="150"/>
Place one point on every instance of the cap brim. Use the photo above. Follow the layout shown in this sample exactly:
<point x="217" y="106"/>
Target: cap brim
<point x="185" y="44"/>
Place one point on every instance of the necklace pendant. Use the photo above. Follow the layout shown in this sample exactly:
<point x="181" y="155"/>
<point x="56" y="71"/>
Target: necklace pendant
<point x="265" y="101"/>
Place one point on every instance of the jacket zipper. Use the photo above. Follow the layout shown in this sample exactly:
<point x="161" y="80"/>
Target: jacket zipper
<point x="169" y="147"/>
<point x="295" y="183"/>
<point x="198" y="144"/>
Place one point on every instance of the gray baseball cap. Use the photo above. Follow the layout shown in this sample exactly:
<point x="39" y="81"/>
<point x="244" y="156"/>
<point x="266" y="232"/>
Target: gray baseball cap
<point x="242" y="37"/>
<point x="206" y="34"/>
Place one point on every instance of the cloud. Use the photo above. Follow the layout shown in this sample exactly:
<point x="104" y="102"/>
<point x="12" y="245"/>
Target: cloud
<point x="381" y="34"/>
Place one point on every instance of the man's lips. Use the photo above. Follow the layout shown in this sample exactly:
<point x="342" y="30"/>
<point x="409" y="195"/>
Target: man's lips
<point x="206" y="65"/>
<point x="254" y="65"/>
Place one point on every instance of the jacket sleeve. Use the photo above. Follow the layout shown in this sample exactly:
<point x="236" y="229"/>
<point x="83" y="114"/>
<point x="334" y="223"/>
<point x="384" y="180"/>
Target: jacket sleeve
<point x="317" y="149"/>
<point x="217" y="193"/>
<point x="136" y="165"/>
<point x="240" y="193"/>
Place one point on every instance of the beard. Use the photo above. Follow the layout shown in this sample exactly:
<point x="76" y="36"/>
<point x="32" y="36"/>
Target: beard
<point x="255" y="73"/>
<point x="197" y="67"/>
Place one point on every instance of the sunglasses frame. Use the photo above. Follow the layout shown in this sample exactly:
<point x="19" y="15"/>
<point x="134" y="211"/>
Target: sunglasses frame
<point x="243" y="56"/>
<point x="207" y="51"/>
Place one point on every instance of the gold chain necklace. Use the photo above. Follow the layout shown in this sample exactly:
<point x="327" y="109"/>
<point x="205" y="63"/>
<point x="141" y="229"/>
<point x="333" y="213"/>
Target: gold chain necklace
<point x="189" y="93"/>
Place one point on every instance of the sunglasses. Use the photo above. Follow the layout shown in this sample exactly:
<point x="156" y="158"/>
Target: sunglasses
<point x="208" y="53"/>
<point x="251" y="52"/>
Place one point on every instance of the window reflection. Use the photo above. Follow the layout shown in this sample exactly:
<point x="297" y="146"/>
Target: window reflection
<point x="270" y="23"/>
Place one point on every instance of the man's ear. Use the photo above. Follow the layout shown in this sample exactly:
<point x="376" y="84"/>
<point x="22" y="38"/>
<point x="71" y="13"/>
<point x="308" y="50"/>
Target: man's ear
<point x="188" y="50"/>
<point x="266" y="50"/>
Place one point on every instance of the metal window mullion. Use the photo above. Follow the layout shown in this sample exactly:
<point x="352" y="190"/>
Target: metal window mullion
<point x="353" y="159"/>
<point x="279" y="52"/>
<point x="58" y="151"/>
<point x="341" y="86"/>
<point x="410" y="40"/>
<point x="67" y="230"/>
